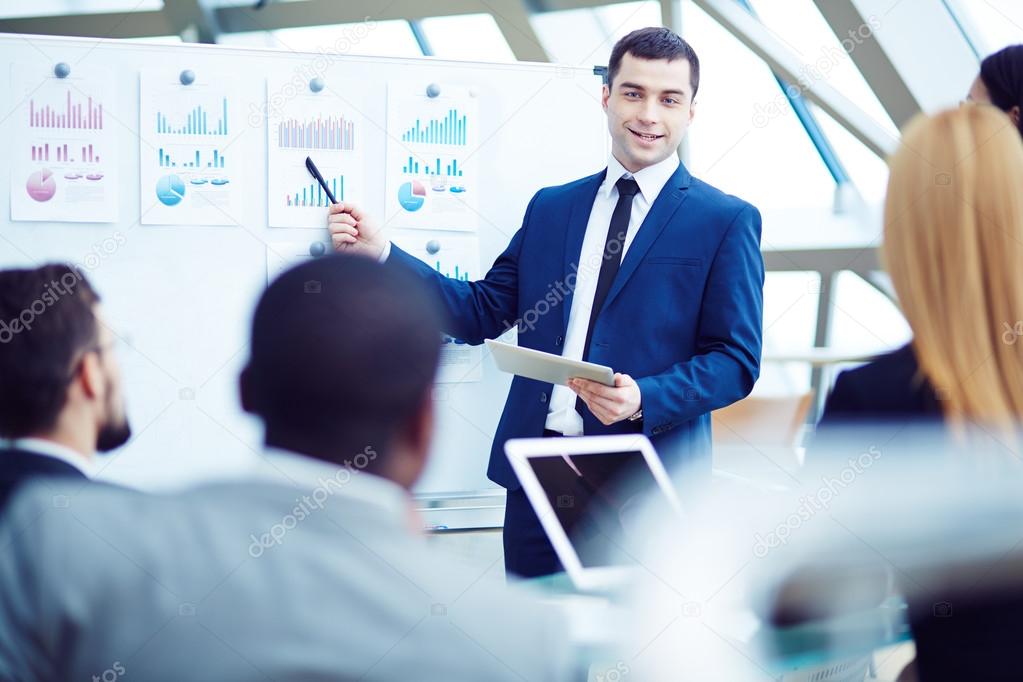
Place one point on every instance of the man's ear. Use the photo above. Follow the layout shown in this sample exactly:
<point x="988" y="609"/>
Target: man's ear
<point x="604" y="95"/>
<point x="245" y="391"/>
<point x="1014" y="114"/>
<point x="91" y="378"/>
<point x="421" y="426"/>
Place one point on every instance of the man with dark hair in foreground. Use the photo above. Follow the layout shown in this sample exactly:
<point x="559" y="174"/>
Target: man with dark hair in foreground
<point x="313" y="569"/>
<point x="60" y="386"/>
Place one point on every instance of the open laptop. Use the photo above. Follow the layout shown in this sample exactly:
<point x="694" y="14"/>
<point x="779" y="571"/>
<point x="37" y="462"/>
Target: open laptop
<point x="594" y="495"/>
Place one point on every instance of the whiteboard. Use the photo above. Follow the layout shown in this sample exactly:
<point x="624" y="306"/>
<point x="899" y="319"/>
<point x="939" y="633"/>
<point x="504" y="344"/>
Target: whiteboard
<point x="180" y="298"/>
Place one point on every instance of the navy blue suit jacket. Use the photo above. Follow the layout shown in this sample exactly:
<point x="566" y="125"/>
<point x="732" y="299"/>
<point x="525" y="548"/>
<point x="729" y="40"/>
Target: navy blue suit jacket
<point x="684" y="316"/>
<point x="20" y="466"/>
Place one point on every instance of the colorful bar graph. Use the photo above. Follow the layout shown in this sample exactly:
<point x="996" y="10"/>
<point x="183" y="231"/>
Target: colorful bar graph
<point x="73" y="117"/>
<point x="196" y="123"/>
<point x="333" y="132"/>
<point x="313" y="196"/>
<point x="450" y="169"/>
<point x="215" y="160"/>
<point x="448" y="130"/>
<point x="457" y="274"/>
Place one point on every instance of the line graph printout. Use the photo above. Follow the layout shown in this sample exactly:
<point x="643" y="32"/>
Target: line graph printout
<point x="64" y="146"/>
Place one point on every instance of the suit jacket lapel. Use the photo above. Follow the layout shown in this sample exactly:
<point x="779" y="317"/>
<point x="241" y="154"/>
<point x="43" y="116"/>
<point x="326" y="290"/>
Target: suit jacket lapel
<point x="579" y="217"/>
<point x="667" y="202"/>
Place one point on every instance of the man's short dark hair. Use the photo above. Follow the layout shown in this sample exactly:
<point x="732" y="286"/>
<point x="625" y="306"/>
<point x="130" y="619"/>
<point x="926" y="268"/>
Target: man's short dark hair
<point x="343" y="353"/>
<point x="655" y="42"/>
<point x="47" y="321"/>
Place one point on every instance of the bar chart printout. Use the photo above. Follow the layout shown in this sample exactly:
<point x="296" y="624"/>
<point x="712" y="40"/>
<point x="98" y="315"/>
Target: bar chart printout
<point x="324" y="128"/>
<point x="455" y="255"/>
<point x="191" y="170"/>
<point x="431" y="172"/>
<point x="63" y="151"/>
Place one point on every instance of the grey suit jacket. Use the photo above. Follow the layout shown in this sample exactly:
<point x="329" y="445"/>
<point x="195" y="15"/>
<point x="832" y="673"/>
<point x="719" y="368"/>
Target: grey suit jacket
<point x="310" y="573"/>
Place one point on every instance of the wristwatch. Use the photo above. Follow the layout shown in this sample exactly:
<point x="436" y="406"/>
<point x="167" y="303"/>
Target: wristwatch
<point x="636" y="417"/>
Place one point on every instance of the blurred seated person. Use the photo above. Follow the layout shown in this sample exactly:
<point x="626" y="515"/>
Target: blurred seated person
<point x="61" y="399"/>
<point x="953" y="244"/>
<point x="313" y="568"/>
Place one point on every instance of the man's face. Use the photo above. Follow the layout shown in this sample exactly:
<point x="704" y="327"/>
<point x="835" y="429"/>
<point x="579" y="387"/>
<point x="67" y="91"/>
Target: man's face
<point x="649" y="107"/>
<point x="978" y="92"/>
<point x="114" y="430"/>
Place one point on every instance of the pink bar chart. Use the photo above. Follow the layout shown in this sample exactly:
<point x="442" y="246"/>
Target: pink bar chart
<point x="72" y="117"/>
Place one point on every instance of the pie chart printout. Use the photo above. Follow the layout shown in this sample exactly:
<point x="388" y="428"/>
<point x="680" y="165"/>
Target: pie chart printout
<point x="411" y="195"/>
<point x="170" y="190"/>
<point x="41" y="185"/>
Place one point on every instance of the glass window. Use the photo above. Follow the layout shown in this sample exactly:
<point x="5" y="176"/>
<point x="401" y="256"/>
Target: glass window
<point x="745" y="139"/>
<point x="991" y="24"/>
<point x="467" y="36"/>
<point x="800" y="26"/>
<point x="864" y="319"/>
<point x="573" y="36"/>
<point x="586" y="36"/>
<point x="790" y="317"/>
<point x="375" y="38"/>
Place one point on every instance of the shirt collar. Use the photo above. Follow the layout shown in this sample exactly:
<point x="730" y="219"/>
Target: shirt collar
<point x="321" y="478"/>
<point x="651" y="180"/>
<point x="48" y="448"/>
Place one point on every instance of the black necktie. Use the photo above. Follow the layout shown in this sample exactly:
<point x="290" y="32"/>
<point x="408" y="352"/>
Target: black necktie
<point x="612" y="260"/>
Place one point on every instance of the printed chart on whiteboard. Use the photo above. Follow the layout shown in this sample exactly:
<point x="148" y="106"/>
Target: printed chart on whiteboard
<point x="431" y="167"/>
<point x="192" y="150"/>
<point x="457" y="256"/>
<point x="322" y="126"/>
<point x="64" y="147"/>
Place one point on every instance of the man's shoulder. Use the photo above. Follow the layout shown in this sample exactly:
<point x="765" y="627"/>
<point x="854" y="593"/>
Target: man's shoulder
<point x="712" y="198"/>
<point x="569" y="189"/>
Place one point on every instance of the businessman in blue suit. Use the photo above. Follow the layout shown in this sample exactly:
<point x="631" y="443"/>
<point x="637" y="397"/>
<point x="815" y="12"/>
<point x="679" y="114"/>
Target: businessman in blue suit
<point x="640" y="267"/>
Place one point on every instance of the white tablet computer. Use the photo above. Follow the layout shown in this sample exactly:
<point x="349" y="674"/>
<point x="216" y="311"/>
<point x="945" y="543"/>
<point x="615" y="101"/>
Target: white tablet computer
<point x="594" y="496"/>
<point x="554" y="369"/>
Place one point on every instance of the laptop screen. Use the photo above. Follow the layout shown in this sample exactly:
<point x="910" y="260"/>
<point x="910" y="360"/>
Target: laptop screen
<point x="598" y="499"/>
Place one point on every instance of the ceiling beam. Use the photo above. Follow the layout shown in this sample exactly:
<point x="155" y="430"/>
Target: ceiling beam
<point x="859" y="40"/>
<point x="513" y="20"/>
<point x="143" y="24"/>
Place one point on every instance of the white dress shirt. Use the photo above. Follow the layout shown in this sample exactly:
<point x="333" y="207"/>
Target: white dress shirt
<point x="48" y="448"/>
<point x="562" y="416"/>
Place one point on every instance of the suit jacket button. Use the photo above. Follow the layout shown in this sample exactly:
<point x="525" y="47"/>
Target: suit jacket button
<point x="560" y="340"/>
<point x="543" y="397"/>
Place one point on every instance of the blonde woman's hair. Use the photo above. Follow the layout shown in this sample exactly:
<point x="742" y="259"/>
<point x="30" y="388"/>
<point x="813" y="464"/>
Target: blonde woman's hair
<point x="953" y="245"/>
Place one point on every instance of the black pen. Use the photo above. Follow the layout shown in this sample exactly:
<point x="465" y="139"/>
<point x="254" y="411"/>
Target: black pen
<point x="319" y="178"/>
